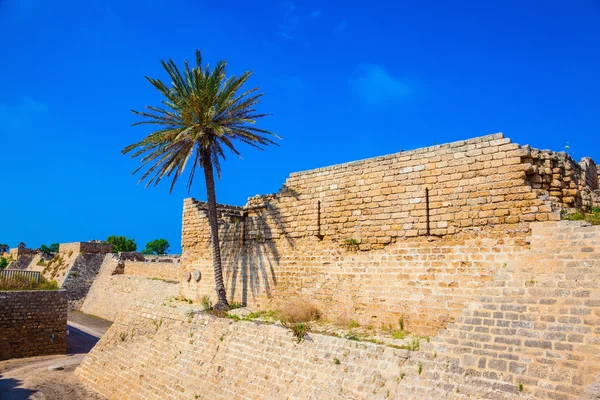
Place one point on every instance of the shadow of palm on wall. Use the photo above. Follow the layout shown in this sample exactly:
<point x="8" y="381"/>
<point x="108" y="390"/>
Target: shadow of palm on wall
<point x="251" y="253"/>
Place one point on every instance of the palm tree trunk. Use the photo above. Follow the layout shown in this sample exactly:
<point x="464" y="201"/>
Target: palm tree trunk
<point x="214" y="230"/>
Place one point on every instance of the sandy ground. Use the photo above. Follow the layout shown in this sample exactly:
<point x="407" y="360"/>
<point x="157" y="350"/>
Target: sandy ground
<point x="29" y="378"/>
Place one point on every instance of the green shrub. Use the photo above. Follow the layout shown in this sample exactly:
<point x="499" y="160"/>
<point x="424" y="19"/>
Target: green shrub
<point x="235" y="304"/>
<point x="234" y="317"/>
<point x="3" y="263"/>
<point x="414" y="345"/>
<point x="351" y="242"/>
<point x="352" y="336"/>
<point x="353" y="324"/>
<point x="593" y="217"/>
<point x="299" y="329"/>
<point x="206" y="303"/>
<point x="401" y="332"/>
<point x="576" y="216"/>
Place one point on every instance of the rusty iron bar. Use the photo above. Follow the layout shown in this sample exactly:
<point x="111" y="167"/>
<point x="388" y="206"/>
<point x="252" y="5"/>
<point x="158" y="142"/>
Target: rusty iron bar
<point x="427" y="210"/>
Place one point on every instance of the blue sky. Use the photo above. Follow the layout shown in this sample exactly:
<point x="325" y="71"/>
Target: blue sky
<point x="344" y="80"/>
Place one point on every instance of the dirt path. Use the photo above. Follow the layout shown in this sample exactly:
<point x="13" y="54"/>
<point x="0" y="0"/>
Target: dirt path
<point x="30" y="378"/>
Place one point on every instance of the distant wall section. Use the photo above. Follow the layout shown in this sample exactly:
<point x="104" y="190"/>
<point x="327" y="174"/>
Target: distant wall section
<point x="113" y="290"/>
<point x="32" y="323"/>
<point x="164" y="267"/>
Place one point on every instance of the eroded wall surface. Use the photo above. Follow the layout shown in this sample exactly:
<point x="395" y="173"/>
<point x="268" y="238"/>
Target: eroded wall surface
<point x="530" y="332"/>
<point x="410" y="235"/>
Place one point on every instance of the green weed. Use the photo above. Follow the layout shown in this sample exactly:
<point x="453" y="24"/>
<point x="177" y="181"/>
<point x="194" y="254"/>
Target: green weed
<point x="353" y="324"/>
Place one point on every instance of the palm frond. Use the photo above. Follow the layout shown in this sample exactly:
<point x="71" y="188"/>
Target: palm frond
<point x="203" y="114"/>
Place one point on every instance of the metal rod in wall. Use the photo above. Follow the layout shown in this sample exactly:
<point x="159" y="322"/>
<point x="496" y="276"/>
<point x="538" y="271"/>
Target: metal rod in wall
<point x="319" y="235"/>
<point x="427" y="209"/>
<point x="244" y="219"/>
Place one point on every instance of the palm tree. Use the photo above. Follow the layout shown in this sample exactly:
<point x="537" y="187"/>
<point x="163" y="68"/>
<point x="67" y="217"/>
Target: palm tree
<point x="203" y="114"/>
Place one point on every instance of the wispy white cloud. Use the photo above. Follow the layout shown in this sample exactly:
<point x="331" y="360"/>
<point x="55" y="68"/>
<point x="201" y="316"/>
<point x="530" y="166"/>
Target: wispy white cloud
<point x="290" y="21"/>
<point x="341" y="27"/>
<point x="294" y="22"/>
<point x="284" y="33"/>
<point x="21" y="113"/>
<point x="373" y="84"/>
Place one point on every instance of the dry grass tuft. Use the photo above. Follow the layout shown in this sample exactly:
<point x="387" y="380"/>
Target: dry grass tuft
<point x="298" y="311"/>
<point x="23" y="282"/>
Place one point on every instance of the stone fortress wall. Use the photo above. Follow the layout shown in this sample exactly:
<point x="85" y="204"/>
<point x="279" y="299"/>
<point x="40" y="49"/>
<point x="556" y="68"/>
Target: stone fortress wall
<point x="531" y="332"/>
<point x="74" y="268"/>
<point x="412" y="235"/>
<point x="86" y="247"/>
<point x="128" y="278"/>
<point x="164" y="266"/>
<point x="32" y="323"/>
<point x="102" y="283"/>
<point x="20" y="257"/>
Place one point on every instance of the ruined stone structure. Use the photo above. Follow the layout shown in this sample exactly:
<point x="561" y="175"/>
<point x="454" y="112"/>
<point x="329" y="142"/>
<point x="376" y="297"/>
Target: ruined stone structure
<point x="74" y="268"/>
<point x="20" y="257"/>
<point x="164" y="267"/>
<point x="126" y="279"/>
<point x="530" y="331"/>
<point x="32" y="323"/>
<point x="412" y="235"/>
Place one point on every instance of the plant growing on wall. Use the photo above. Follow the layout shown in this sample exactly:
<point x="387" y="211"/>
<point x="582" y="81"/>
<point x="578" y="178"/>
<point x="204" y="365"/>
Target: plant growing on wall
<point x="203" y="113"/>
<point x="351" y="242"/>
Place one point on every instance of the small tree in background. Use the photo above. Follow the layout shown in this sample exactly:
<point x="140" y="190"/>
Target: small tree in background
<point x="158" y="246"/>
<point x="22" y="245"/>
<point x="121" y="243"/>
<point x="49" y="250"/>
<point x="4" y="248"/>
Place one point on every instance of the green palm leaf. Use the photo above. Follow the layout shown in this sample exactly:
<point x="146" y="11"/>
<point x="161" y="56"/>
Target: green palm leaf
<point x="202" y="110"/>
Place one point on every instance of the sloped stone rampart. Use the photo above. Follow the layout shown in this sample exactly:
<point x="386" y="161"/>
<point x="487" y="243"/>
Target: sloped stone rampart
<point x="530" y="332"/>
<point x="155" y="352"/>
<point x="111" y="291"/>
